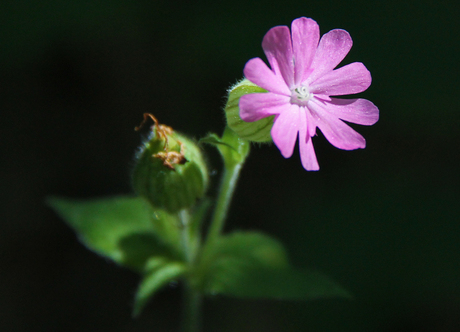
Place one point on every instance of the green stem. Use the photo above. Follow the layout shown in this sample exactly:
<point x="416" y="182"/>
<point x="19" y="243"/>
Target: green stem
<point x="186" y="236"/>
<point x="192" y="298"/>
<point x="191" y="320"/>
<point x="234" y="158"/>
<point x="227" y="187"/>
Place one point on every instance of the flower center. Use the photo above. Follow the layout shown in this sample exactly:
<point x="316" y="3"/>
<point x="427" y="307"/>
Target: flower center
<point x="301" y="95"/>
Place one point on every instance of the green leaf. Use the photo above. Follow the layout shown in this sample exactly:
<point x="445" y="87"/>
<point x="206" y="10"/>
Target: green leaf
<point x="233" y="149"/>
<point x="246" y="281"/>
<point x="160" y="273"/>
<point x="213" y="139"/>
<point x="255" y="247"/>
<point x="240" y="146"/>
<point x="124" y="229"/>
<point x="252" y="265"/>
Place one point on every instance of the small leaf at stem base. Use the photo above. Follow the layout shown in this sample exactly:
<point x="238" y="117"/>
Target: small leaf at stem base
<point x="162" y="273"/>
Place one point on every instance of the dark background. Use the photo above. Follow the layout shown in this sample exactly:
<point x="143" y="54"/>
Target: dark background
<point x="75" y="78"/>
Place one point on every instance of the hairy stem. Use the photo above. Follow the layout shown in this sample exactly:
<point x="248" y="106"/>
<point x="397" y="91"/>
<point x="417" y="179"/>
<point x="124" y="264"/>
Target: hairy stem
<point x="191" y="320"/>
<point x="227" y="188"/>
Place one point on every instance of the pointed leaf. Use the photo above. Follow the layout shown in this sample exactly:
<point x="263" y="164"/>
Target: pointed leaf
<point x="161" y="273"/>
<point x="213" y="139"/>
<point x="232" y="148"/>
<point x="252" y="265"/>
<point x="256" y="247"/>
<point x="124" y="229"/>
<point x="249" y="281"/>
<point x="240" y="147"/>
<point x="233" y="252"/>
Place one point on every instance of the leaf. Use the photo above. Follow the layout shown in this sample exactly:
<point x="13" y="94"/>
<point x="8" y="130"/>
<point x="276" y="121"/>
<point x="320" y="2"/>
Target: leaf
<point x="231" y="253"/>
<point x="240" y="146"/>
<point x="252" y="265"/>
<point x="232" y="148"/>
<point x="161" y="273"/>
<point x="249" y="246"/>
<point x="247" y="281"/>
<point x="124" y="229"/>
<point x="213" y="139"/>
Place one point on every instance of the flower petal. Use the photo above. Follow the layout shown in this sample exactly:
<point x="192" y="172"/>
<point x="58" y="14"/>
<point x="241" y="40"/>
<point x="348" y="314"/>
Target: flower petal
<point x="278" y="49"/>
<point x="305" y="37"/>
<point x="256" y="106"/>
<point x="360" y="111"/>
<point x="307" y="152"/>
<point x="352" y="78"/>
<point x="332" y="49"/>
<point x="308" y="155"/>
<point x="258" y="73"/>
<point x="311" y="124"/>
<point x="285" y="129"/>
<point x="336" y="132"/>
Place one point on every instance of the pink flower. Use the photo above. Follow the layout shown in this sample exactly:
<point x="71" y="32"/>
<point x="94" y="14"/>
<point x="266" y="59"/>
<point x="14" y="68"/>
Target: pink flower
<point x="300" y="82"/>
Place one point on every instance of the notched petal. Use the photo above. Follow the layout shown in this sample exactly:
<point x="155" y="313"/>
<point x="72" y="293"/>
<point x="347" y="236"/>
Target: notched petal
<point x="360" y="111"/>
<point x="307" y="152"/>
<point x="305" y="37"/>
<point x="285" y="129"/>
<point x="278" y="49"/>
<point x="336" y="131"/>
<point x="332" y="49"/>
<point x="258" y="73"/>
<point x="308" y="155"/>
<point x="349" y="79"/>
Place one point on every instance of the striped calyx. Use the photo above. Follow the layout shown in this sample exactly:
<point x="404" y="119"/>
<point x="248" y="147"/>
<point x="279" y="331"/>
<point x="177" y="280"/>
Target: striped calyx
<point x="257" y="131"/>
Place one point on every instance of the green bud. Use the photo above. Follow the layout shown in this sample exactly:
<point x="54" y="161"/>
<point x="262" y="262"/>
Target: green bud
<point x="257" y="131"/>
<point x="170" y="170"/>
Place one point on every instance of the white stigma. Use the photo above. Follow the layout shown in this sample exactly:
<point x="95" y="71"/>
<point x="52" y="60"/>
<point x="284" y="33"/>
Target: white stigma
<point x="301" y="95"/>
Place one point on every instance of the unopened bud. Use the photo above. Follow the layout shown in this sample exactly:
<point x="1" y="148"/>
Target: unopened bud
<point x="257" y="131"/>
<point x="170" y="170"/>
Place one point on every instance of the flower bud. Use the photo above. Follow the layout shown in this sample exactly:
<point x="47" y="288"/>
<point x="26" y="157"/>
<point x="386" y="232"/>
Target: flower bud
<point x="170" y="170"/>
<point x="257" y="131"/>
